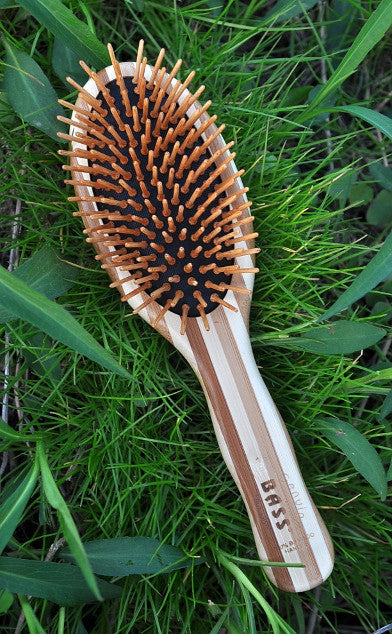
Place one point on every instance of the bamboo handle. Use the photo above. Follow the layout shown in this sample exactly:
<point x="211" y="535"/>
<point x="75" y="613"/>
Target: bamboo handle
<point x="259" y="454"/>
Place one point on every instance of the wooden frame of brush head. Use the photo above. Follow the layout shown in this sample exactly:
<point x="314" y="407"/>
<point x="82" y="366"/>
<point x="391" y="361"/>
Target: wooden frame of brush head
<point x="182" y="116"/>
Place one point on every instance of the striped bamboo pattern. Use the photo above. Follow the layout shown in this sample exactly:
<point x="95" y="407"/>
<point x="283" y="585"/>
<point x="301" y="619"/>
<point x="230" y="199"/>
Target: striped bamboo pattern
<point x="252" y="437"/>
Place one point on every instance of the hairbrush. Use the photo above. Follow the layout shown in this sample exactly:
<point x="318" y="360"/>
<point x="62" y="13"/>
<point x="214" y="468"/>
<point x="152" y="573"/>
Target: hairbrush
<point x="165" y="208"/>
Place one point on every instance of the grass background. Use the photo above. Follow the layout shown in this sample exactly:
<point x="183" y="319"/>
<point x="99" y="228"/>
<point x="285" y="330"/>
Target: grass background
<point x="138" y="457"/>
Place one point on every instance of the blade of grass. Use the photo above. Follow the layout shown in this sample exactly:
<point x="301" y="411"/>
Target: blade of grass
<point x="279" y="626"/>
<point x="71" y="534"/>
<point x="60" y="583"/>
<point x="371" y="33"/>
<point x="32" y="622"/>
<point x="26" y="303"/>
<point x="369" y="382"/>
<point x="60" y="21"/>
<point x="377" y="270"/>
<point x="11" y="434"/>
<point x="6" y="600"/>
<point x="12" y="508"/>
<point x="378" y="120"/>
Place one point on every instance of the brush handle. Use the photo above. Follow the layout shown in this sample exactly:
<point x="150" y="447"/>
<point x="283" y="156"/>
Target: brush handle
<point x="259" y="454"/>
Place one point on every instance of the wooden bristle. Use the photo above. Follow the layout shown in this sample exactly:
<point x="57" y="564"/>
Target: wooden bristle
<point x="165" y="210"/>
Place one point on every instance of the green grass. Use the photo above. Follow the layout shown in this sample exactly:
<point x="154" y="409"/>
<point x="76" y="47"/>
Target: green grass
<point x="139" y="457"/>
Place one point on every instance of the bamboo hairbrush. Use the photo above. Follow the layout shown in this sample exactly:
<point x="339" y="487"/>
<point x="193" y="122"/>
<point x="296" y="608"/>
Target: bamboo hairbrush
<point x="165" y="208"/>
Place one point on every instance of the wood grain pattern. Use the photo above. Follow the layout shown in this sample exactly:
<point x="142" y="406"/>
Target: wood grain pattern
<point x="252" y="437"/>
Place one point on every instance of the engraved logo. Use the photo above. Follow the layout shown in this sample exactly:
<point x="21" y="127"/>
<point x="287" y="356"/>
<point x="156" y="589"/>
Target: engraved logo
<point x="273" y="501"/>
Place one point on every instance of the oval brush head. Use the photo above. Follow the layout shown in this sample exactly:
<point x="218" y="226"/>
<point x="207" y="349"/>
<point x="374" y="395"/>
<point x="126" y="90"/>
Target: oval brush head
<point x="164" y="206"/>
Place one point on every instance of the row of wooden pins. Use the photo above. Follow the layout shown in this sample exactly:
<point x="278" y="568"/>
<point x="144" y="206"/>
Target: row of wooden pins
<point x="228" y="221"/>
<point x="132" y="111"/>
<point x="224" y="223"/>
<point x="161" y="144"/>
<point x="174" y="198"/>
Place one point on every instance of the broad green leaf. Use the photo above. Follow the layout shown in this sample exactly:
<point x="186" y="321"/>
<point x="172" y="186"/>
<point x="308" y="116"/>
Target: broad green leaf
<point x="370" y="34"/>
<point x="60" y="21"/>
<point x="379" y="212"/>
<point x="32" y="622"/>
<point x="80" y="629"/>
<point x="53" y="319"/>
<point x="45" y="273"/>
<point x="383" y="310"/>
<point x="137" y="5"/>
<point x="61" y="583"/>
<point x="71" y="534"/>
<point x="361" y="193"/>
<point x="7" y="114"/>
<point x="386" y="407"/>
<point x="6" y="600"/>
<point x="214" y="6"/>
<point x="40" y="356"/>
<point x="358" y="450"/>
<point x="378" y="120"/>
<point x="268" y="163"/>
<point x="30" y="92"/>
<point x="389" y="473"/>
<point x="11" y="434"/>
<point x="11" y="484"/>
<point x="325" y="106"/>
<point x="339" y="27"/>
<point x="382" y="175"/>
<point x="341" y="187"/>
<point x="376" y="271"/>
<point x="132" y="556"/>
<point x="285" y="9"/>
<point x="5" y="3"/>
<point x="340" y="337"/>
<point x="65" y="63"/>
<point x="12" y="508"/>
<point x="381" y="294"/>
<point x="295" y="96"/>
